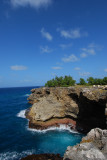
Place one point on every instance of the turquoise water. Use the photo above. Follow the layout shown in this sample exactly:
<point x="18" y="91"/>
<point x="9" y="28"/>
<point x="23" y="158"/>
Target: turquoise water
<point x="16" y="139"/>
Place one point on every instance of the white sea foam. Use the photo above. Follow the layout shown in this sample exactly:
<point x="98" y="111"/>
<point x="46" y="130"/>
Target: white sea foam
<point x="21" y="114"/>
<point x="61" y="127"/>
<point x="15" y="155"/>
<point x="26" y="95"/>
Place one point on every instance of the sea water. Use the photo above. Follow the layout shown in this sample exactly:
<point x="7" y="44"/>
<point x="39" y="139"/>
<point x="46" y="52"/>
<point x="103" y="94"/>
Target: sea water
<point x="17" y="140"/>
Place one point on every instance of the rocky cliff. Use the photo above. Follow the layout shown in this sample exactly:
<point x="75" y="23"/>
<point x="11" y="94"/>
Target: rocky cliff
<point x="92" y="147"/>
<point x="82" y="108"/>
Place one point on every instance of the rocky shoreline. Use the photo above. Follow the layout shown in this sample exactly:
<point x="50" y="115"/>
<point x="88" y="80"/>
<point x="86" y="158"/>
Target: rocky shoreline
<point x="82" y="108"/>
<point x="92" y="147"/>
<point x="43" y="157"/>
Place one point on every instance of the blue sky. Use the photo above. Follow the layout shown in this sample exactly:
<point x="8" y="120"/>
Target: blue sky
<point x="41" y="39"/>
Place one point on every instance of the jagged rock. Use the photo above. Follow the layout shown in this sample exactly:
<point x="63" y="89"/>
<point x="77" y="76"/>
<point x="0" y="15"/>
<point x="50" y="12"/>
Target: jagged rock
<point x="84" y="107"/>
<point x="43" y="157"/>
<point x="92" y="147"/>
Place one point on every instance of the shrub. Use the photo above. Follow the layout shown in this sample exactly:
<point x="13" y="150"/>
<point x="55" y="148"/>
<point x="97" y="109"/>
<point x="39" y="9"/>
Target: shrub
<point x="82" y="81"/>
<point x="61" y="82"/>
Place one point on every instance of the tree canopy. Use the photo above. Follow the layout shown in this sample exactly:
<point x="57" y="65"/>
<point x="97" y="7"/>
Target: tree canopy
<point x="67" y="81"/>
<point x="61" y="82"/>
<point x="97" y="81"/>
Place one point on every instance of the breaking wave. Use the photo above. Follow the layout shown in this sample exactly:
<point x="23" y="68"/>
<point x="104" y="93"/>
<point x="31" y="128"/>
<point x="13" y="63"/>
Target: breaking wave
<point x="21" y="114"/>
<point x="15" y="155"/>
<point x="26" y="95"/>
<point x="62" y="127"/>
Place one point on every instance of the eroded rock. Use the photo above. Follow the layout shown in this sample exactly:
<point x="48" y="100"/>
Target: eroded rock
<point x="84" y="107"/>
<point x="43" y="157"/>
<point x="92" y="147"/>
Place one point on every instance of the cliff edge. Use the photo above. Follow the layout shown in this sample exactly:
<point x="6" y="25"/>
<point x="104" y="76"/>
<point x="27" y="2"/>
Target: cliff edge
<point x="81" y="108"/>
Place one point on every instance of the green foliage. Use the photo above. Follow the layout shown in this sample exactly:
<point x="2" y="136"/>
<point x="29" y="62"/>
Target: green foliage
<point x="82" y="81"/>
<point x="67" y="81"/>
<point x="105" y="80"/>
<point x="61" y="82"/>
<point x="97" y="81"/>
<point x="90" y="80"/>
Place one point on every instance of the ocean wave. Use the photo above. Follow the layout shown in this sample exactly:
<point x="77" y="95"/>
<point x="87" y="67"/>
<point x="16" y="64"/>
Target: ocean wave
<point x="62" y="127"/>
<point x="26" y="95"/>
<point x="15" y="155"/>
<point x="21" y="114"/>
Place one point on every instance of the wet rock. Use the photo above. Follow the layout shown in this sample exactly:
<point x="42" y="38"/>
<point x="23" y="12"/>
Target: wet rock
<point x="43" y="157"/>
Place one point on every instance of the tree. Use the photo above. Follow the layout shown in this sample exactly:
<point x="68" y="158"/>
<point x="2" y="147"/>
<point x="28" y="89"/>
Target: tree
<point x="82" y="81"/>
<point x="105" y="80"/>
<point x="61" y="82"/>
<point x="98" y="81"/>
<point x="90" y="80"/>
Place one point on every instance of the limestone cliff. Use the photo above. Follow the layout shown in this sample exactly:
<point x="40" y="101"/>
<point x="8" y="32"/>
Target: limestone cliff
<point x="92" y="147"/>
<point x="80" y="107"/>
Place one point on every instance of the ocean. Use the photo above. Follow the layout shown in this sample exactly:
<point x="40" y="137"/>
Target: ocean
<point x="17" y="140"/>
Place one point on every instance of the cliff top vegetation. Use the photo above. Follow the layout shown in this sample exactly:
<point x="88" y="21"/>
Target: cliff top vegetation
<point x="67" y="81"/>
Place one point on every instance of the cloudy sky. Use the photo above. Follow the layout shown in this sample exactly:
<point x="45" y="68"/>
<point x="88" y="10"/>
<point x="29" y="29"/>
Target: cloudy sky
<point x="41" y="39"/>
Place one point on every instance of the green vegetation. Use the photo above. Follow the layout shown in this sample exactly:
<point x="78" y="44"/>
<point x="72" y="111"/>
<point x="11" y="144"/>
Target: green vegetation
<point x="61" y="82"/>
<point x="82" y="81"/>
<point x="97" y="81"/>
<point x="67" y="81"/>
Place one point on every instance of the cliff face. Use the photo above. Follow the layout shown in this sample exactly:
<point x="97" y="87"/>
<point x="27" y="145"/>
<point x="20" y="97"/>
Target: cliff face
<point x="83" y="108"/>
<point x="92" y="147"/>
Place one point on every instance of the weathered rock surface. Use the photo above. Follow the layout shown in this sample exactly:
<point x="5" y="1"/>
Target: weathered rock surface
<point x="92" y="147"/>
<point x="43" y="157"/>
<point x="82" y="107"/>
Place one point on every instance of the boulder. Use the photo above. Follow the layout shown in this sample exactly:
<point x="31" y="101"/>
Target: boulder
<point x="92" y="147"/>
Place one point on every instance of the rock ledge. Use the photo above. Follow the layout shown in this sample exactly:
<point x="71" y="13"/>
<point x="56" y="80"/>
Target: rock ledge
<point x="82" y="108"/>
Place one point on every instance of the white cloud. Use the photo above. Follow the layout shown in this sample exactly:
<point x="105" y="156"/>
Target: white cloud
<point x="95" y="46"/>
<point x="105" y="70"/>
<point x="57" y="68"/>
<point x="71" y="58"/>
<point x="77" y="68"/>
<point x="88" y="50"/>
<point x="33" y="3"/>
<point x="83" y="55"/>
<point x="72" y="33"/>
<point x="46" y="34"/>
<point x="64" y="46"/>
<point x="92" y="45"/>
<point x="18" y="68"/>
<point x="45" y="49"/>
<point x="84" y="74"/>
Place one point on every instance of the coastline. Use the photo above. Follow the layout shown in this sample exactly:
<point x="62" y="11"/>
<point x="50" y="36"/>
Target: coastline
<point x="40" y="119"/>
<point x="81" y="108"/>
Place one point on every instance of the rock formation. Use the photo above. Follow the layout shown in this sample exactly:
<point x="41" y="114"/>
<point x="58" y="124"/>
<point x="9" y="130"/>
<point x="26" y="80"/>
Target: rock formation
<point x="92" y="147"/>
<point x="43" y="157"/>
<point x="82" y="108"/>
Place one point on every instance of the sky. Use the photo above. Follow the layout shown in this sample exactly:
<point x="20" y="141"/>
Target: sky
<point x="41" y="39"/>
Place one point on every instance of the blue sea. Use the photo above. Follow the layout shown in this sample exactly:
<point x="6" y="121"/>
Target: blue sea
<point x="17" y="140"/>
